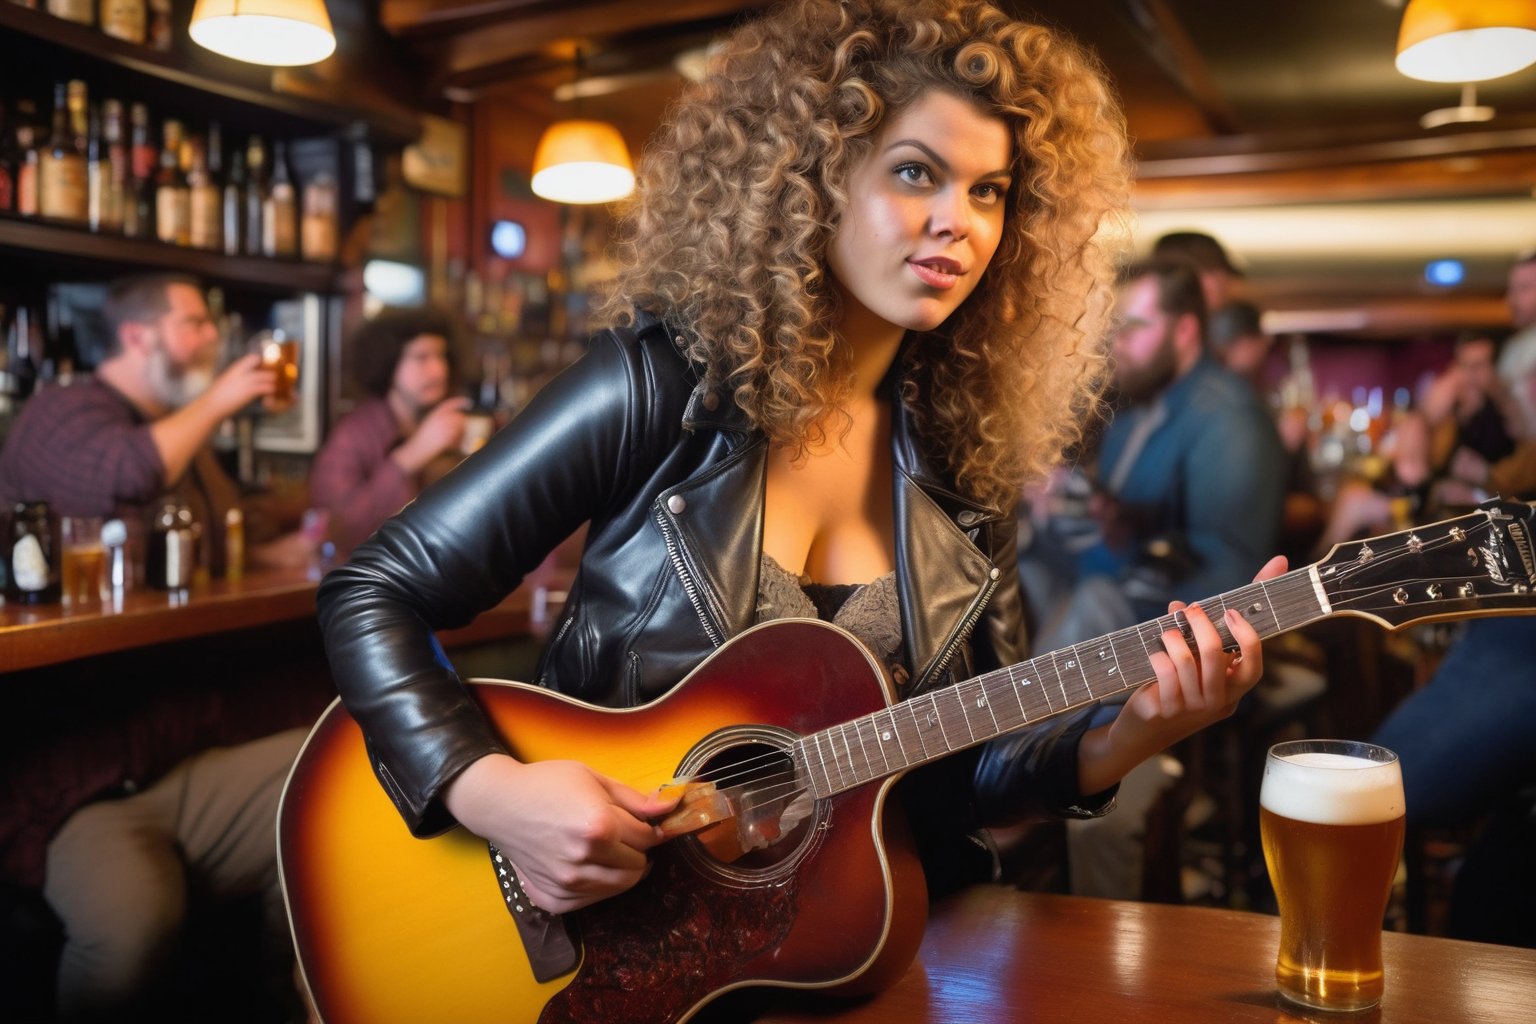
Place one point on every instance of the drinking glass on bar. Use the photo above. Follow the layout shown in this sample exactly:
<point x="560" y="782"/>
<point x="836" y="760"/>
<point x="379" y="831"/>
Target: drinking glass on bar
<point x="82" y="560"/>
<point x="1331" y="819"/>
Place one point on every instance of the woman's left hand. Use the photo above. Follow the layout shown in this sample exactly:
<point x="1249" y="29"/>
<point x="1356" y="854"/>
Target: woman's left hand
<point x="1194" y="687"/>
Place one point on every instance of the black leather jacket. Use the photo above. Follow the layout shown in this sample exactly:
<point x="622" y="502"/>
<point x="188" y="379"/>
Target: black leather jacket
<point x="671" y="482"/>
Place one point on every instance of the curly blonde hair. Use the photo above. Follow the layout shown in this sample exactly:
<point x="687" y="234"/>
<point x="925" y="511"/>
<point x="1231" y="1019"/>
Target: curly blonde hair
<point x="740" y="193"/>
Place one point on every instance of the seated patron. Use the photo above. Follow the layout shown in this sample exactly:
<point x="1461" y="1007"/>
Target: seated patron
<point x="402" y="436"/>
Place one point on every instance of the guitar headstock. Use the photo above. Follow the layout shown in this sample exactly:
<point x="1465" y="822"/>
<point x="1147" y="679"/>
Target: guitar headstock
<point x="1481" y="563"/>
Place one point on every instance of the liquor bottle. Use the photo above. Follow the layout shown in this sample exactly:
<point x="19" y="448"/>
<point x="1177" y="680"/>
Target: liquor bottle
<point x="173" y="217"/>
<point x="279" y="212"/>
<point x="61" y="186"/>
<point x="124" y="19"/>
<point x="32" y="552"/>
<point x="23" y="350"/>
<point x="317" y="234"/>
<point x="81" y="11"/>
<point x="159" y="32"/>
<point x="115" y="167"/>
<point x="255" y="196"/>
<point x="139" y="198"/>
<point x="28" y="171"/>
<point x="205" y="194"/>
<point x="234" y="205"/>
<point x="10" y="159"/>
<point x="63" y="352"/>
<point x="98" y="172"/>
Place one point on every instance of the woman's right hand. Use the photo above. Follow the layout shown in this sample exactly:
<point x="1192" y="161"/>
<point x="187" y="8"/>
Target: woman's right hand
<point x="574" y="836"/>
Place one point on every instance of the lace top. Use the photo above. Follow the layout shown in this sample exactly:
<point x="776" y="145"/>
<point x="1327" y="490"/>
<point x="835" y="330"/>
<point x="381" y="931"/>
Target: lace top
<point x="867" y="610"/>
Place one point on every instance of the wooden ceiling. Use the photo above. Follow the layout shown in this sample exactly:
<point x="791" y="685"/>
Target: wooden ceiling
<point x="1234" y="107"/>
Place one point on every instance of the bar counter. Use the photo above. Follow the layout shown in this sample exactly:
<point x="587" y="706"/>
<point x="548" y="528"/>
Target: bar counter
<point x="120" y="692"/>
<point x="33" y="636"/>
<point x="995" y="954"/>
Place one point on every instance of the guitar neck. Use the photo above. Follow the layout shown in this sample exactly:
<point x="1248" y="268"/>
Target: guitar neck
<point x="945" y="720"/>
<point x="1481" y="563"/>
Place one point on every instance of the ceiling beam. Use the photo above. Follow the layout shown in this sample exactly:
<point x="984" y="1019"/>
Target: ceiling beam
<point x="1164" y="39"/>
<point x="546" y="27"/>
<point x="410" y="17"/>
<point x="1460" y="176"/>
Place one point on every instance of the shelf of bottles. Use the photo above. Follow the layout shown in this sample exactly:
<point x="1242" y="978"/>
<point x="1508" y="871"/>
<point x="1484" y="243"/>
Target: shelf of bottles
<point x="114" y="154"/>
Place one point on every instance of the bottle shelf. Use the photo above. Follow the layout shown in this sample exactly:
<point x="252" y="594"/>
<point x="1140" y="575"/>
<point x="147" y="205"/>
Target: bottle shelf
<point x="193" y="79"/>
<point x="46" y="240"/>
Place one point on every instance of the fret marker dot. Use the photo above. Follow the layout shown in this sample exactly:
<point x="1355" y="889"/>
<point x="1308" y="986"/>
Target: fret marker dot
<point x="886" y="736"/>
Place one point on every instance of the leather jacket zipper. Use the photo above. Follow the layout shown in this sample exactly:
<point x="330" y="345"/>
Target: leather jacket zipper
<point x="554" y="645"/>
<point x="690" y="586"/>
<point x="958" y="636"/>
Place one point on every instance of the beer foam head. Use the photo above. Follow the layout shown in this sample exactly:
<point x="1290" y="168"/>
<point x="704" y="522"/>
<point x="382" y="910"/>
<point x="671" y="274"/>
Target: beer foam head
<point x="1332" y="789"/>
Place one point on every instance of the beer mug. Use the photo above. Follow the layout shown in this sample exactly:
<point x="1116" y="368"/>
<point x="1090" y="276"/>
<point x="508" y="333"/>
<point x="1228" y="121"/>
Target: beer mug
<point x="1331" y="820"/>
<point x="280" y="353"/>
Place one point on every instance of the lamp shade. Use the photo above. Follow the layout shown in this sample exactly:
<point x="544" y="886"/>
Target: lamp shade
<point x="581" y="161"/>
<point x="282" y="33"/>
<point x="1466" y="40"/>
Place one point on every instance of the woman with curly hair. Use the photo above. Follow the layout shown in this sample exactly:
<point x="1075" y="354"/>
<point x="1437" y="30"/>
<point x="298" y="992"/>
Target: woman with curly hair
<point x="864" y="295"/>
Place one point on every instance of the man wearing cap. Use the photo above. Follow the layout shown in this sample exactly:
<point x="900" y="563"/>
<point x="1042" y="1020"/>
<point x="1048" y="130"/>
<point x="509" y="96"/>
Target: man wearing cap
<point x="1238" y="340"/>
<point x="1218" y="274"/>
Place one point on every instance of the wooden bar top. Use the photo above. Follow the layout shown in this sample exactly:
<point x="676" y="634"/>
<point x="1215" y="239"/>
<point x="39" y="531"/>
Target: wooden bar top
<point x="994" y="954"/>
<point x="32" y="636"/>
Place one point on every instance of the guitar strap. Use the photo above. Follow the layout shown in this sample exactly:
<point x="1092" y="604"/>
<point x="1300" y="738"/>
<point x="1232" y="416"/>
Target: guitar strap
<point x="546" y="939"/>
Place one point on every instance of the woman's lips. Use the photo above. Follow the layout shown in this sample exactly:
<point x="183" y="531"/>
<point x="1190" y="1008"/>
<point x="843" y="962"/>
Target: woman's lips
<point x="937" y="272"/>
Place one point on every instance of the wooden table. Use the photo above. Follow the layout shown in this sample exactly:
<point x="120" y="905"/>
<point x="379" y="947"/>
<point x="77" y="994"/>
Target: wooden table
<point x="997" y="954"/>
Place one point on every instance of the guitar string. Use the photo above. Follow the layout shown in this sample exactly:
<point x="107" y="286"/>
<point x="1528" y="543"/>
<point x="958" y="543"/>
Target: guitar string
<point x="746" y="769"/>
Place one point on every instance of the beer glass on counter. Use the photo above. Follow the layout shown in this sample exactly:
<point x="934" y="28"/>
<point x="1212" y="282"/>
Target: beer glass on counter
<point x="82" y="560"/>
<point x="1331" y="819"/>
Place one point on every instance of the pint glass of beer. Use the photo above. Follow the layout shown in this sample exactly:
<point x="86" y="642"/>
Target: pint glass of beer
<point x="1331" y="817"/>
<point x="279" y="353"/>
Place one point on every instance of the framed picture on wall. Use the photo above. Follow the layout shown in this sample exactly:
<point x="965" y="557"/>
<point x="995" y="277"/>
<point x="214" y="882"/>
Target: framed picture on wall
<point x="439" y="160"/>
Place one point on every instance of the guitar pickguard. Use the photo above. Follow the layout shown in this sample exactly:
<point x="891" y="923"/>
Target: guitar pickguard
<point x="661" y="948"/>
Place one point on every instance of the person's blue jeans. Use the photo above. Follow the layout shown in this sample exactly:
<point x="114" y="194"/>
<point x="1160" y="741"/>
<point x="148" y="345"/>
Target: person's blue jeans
<point x="1467" y="739"/>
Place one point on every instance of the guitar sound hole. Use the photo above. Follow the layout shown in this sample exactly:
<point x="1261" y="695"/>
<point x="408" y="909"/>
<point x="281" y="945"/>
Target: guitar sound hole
<point x="774" y="813"/>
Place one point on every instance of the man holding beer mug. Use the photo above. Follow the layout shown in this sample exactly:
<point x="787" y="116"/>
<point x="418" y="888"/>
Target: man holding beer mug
<point x="118" y="440"/>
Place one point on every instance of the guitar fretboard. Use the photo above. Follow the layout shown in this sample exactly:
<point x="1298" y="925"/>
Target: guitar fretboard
<point x="951" y="718"/>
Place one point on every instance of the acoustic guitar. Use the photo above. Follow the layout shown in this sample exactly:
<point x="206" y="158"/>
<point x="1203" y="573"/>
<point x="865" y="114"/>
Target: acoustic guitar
<point x="785" y="871"/>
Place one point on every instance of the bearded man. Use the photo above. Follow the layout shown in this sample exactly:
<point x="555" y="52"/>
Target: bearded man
<point x="138" y="430"/>
<point x="1190" y="471"/>
<point x="132" y="838"/>
<point x="1187" y="495"/>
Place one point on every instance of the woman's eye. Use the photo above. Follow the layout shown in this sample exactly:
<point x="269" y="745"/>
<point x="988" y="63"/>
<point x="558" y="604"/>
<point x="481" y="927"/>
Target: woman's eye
<point x="913" y="174"/>
<point x="989" y="193"/>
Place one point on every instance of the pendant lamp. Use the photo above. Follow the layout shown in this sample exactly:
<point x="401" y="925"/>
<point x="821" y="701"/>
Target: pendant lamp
<point x="1466" y="40"/>
<point x="582" y="161"/>
<point x="281" y="33"/>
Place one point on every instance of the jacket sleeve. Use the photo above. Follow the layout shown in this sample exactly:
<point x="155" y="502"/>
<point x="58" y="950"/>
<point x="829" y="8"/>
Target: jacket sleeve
<point x="460" y="548"/>
<point x="1031" y="773"/>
